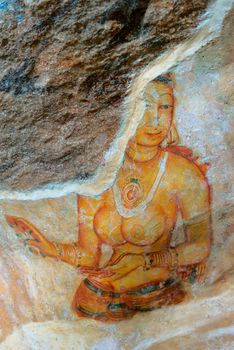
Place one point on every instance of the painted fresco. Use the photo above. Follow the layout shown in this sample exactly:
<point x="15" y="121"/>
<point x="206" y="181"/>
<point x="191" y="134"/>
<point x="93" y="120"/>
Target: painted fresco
<point x="158" y="183"/>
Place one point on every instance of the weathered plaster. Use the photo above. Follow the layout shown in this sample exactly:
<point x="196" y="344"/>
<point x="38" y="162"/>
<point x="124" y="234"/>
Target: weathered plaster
<point x="38" y="292"/>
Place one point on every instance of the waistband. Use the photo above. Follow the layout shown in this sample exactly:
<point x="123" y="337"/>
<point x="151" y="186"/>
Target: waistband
<point x="140" y="291"/>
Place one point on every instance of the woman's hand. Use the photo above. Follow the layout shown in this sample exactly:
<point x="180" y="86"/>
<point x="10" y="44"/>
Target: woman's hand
<point x="32" y="237"/>
<point x="192" y="273"/>
<point x="124" y="265"/>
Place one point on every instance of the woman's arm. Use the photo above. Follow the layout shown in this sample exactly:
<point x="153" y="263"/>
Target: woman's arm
<point x="194" y="250"/>
<point x="84" y="253"/>
<point x="193" y="199"/>
<point x="194" y="205"/>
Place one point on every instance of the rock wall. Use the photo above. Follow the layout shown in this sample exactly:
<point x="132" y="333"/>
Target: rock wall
<point x="36" y="293"/>
<point x="65" y="70"/>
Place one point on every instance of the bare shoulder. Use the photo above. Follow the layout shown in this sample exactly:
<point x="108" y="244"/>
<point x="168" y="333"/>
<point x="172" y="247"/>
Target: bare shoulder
<point x="91" y="203"/>
<point x="184" y="172"/>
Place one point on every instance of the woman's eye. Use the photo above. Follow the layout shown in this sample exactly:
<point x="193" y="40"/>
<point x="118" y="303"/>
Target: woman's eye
<point x="165" y="106"/>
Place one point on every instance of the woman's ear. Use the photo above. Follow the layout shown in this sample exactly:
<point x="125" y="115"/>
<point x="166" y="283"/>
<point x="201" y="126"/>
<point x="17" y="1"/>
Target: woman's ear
<point x="172" y="138"/>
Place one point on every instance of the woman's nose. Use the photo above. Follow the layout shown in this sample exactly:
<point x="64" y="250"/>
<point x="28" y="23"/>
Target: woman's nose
<point x="154" y="122"/>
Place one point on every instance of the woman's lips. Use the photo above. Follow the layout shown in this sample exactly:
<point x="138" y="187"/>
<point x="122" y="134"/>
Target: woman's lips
<point x="153" y="133"/>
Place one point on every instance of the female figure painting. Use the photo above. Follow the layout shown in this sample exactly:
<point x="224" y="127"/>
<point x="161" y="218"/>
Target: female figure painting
<point x="157" y="182"/>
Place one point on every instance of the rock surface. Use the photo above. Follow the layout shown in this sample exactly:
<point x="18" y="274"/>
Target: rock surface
<point x="65" y="69"/>
<point x="36" y="293"/>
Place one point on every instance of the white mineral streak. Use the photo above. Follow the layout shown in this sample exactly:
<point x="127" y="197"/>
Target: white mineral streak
<point x="198" y="328"/>
<point x="133" y="110"/>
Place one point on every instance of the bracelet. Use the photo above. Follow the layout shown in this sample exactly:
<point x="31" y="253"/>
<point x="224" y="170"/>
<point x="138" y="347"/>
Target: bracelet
<point x="71" y="253"/>
<point x="174" y="258"/>
<point x="77" y="255"/>
<point x="59" y="249"/>
<point x="165" y="258"/>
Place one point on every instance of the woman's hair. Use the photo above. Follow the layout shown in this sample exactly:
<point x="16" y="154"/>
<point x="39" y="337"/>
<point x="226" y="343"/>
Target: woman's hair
<point x="166" y="79"/>
<point x="172" y="138"/>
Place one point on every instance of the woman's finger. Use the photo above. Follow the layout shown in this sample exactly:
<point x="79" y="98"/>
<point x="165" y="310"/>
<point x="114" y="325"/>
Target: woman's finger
<point x="35" y="246"/>
<point x="106" y="273"/>
<point x="33" y="242"/>
<point x="201" y="272"/>
<point x="34" y="250"/>
<point x="22" y="226"/>
<point x="97" y="273"/>
<point x="90" y="271"/>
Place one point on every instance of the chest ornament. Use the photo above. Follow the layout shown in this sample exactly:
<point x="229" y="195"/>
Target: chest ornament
<point x="132" y="193"/>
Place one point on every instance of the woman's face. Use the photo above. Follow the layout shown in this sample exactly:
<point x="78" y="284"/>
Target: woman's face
<point x="158" y="116"/>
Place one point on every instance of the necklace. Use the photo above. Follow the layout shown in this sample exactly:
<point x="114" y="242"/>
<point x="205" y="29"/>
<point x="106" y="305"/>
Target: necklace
<point x="132" y="192"/>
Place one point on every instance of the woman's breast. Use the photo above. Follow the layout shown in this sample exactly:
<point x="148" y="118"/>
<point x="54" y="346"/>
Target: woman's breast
<point x="107" y="225"/>
<point x="142" y="230"/>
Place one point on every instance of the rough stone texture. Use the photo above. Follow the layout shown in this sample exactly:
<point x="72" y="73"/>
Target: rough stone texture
<point x="65" y="68"/>
<point x="36" y="293"/>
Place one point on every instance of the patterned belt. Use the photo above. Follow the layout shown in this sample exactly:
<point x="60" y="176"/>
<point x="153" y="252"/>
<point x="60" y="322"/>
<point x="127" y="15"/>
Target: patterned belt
<point x="141" y="291"/>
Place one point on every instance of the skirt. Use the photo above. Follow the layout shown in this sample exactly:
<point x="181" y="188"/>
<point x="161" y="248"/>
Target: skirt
<point x="92" y="301"/>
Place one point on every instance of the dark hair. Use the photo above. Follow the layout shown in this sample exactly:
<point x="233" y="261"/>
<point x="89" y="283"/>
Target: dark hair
<point x="166" y="79"/>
